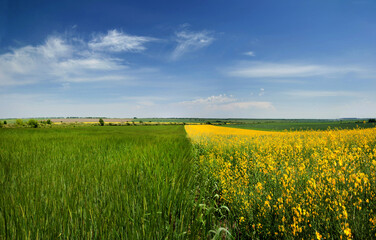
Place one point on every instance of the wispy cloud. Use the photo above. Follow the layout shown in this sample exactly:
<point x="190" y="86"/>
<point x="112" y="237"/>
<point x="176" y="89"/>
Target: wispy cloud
<point x="313" y="94"/>
<point x="262" y="92"/>
<point x="68" y="59"/>
<point x="250" y="53"/>
<point x="117" y="41"/>
<point x="224" y="102"/>
<point x="212" y="100"/>
<point x="288" y="70"/>
<point x="189" y="41"/>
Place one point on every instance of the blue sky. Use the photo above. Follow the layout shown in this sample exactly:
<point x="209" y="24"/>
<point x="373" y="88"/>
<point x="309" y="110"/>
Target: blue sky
<point x="221" y="59"/>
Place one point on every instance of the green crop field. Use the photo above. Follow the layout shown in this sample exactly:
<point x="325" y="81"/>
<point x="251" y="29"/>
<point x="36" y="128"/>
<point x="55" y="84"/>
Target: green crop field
<point x="301" y="125"/>
<point x="136" y="182"/>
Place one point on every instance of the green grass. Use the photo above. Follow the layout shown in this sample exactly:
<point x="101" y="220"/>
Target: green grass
<point x="301" y="125"/>
<point x="101" y="182"/>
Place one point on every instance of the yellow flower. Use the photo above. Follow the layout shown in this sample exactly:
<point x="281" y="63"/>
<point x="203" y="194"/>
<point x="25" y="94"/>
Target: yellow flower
<point x="347" y="232"/>
<point x="318" y="235"/>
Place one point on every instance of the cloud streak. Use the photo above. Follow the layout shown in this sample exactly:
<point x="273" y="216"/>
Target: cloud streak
<point x="227" y="103"/>
<point x="116" y="41"/>
<point x="314" y="94"/>
<point x="250" y="53"/>
<point x="190" y="41"/>
<point x="288" y="70"/>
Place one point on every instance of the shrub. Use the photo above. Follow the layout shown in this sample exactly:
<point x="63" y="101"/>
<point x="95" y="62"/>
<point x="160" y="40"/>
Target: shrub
<point x="33" y="123"/>
<point x="49" y="121"/>
<point x="19" y="122"/>
<point x="5" y="122"/>
<point x="101" y="122"/>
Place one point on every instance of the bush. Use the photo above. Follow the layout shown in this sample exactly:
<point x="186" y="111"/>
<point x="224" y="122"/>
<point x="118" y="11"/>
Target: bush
<point x="101" y="122"/>
<point x="372" y="120"/>
<point x="19" y="122"/>
<point x="5" y="122"/>
<point x="49" y="121"/>
<point x="33" y="123"/>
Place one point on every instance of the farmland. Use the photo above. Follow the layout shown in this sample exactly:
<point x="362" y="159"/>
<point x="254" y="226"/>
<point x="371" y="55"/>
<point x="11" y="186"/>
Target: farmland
<point x="187" y="182"/>
<point x="290" y="185"/>
<point x="302" y="125"/>
<point x="90" y="182"/>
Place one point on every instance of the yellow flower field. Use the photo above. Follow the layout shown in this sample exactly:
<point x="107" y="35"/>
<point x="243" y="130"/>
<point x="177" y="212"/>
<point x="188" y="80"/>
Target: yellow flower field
<point x="290" y="185"/>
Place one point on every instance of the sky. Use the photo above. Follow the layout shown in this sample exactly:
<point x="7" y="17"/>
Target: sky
<point x="209" y="59"/>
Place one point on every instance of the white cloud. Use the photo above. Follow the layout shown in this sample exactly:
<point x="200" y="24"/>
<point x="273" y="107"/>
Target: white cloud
<point x="262" y="92"/>
<point x="63" y="59"/>
<point x="310" y="94"/>
<point x="250" y="53"/>
<point x="116" y="41"/>
<point x="55" y="47"/>
<point x="227" y="103"/>
<point x="283" y="70"/>
<point x="212" y="100"/>
<point x="190" y="41"/>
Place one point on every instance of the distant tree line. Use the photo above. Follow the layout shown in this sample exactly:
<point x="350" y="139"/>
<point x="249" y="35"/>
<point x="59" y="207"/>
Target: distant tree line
<point x="31" y="123"/>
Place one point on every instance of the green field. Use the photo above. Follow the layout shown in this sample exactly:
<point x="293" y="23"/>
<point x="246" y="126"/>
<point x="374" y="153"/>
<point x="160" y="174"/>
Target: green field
<point x="136" y="182"/>
<point x="301" y="125"/>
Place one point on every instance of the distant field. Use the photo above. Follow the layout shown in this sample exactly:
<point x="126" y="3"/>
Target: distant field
<point x="259" y="124"/>
<point x="88" y="120"/>
<point x="293" y="126"/>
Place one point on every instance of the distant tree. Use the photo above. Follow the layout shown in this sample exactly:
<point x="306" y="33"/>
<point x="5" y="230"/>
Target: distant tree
<point x="19" y="121"/>
<point x="141" y="122"/>
<point x="101" y="122"/>
<point x="49" y="121"/>
<point x="33" y="123"/>
<point x="372" y="120"/>
<point x="5" y="122"/>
